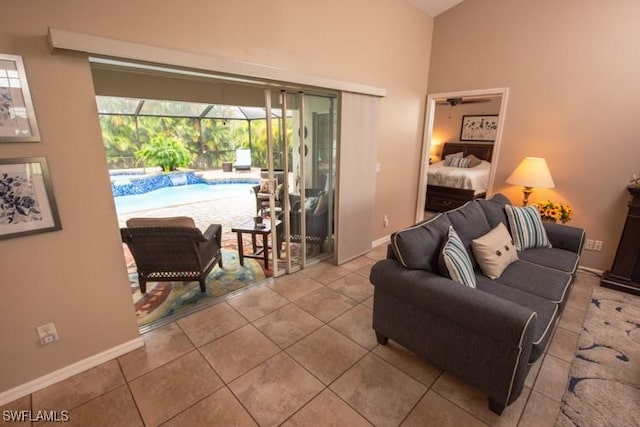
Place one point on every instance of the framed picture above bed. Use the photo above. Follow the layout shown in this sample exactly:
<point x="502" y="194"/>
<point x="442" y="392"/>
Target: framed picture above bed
<point x="479" y="128"/>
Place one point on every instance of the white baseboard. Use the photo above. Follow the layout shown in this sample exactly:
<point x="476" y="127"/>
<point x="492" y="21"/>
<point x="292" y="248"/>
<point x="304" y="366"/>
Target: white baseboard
<point x="591" y="270"/>
<point x="69" y="371"/>
<point x="381" y="241"/>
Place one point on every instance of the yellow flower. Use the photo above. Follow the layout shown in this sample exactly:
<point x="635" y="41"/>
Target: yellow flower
<point x="550" y="211"/>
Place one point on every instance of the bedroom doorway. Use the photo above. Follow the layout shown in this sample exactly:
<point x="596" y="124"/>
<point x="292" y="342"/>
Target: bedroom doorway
<point x="445" y="113"/>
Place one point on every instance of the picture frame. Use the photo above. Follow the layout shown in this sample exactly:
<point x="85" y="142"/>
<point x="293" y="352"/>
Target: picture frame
<point x="27" y="204"/>
<point x="479" y="128"/>
<point x="17" y="117"/>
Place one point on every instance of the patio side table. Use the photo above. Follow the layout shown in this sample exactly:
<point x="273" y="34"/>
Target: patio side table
<point x="259" y="252"/>
<point x="227" y="166"/>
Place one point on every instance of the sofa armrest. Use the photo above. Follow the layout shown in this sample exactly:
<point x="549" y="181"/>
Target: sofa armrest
<point x="564" y="236"/>
<point x="473" y="309"/>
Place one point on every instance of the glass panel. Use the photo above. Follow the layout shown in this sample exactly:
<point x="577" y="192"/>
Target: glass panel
<point x="318" y="163"/>
<point x="117" y="105"/>
<point x="226" y="112"/>
<point x="253" y="113"/>
<point x="220" y="139"/>
<point x="119" y="134"/>
<point x="154" y="107"/>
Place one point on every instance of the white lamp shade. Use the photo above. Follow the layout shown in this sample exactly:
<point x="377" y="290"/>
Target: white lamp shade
<point x="532" y="172"/>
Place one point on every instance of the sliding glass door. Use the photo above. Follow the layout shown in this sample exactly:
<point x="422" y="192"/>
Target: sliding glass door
<point x="304" y="152"/>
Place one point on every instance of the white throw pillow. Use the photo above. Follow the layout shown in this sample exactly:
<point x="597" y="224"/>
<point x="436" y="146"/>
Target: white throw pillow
<point x="494" y="251"/>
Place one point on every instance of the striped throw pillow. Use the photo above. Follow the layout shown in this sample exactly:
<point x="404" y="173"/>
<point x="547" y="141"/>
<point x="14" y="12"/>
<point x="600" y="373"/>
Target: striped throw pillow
<point x="526" y="227"/>
<point x="457" y="162"/>
<point x="457" y="261"/>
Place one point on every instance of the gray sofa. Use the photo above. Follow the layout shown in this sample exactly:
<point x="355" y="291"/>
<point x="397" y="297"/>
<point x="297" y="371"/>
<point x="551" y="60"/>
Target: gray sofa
<point x="488" y="336"/>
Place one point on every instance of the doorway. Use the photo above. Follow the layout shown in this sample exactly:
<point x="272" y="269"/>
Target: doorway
<point x="432" y="141"/>
<point x="290" y="133"/>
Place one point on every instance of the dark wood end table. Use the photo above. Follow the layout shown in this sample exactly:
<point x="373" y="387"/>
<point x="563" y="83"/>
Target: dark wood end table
<point x="259" y="252"/>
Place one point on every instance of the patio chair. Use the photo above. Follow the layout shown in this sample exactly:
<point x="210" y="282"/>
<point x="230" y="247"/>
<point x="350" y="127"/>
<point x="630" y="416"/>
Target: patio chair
<point x="243" y="159"/>
<point x="316" y="211"/>
<point x="262" y="193"/>
<point x="168" y="249"/>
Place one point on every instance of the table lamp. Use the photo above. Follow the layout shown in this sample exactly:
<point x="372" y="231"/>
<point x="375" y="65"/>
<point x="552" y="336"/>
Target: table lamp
<point x="531" y="172"/>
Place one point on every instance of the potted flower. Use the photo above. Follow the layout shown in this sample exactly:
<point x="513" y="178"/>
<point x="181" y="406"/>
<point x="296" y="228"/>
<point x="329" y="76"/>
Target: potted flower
<point x="554" y="212"/>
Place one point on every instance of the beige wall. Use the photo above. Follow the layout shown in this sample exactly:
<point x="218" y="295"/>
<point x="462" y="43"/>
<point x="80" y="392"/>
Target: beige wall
<point x="572" y="69"/>
<point x="76" y="277"/>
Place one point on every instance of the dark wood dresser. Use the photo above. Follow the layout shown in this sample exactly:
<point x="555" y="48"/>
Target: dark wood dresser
<point x="625" y="273"/>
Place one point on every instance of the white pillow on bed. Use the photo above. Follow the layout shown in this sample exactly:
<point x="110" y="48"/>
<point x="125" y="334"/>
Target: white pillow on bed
<point x="473" y="161"/>
<point x="458" y="162"/>
<point x="458" y="155"/>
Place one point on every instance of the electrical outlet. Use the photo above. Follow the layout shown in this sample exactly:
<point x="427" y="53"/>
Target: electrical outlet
<point x="588" y="245"/>
<point x="597" y="245"/>
<point x="385" y="221"/>
<point x="47" y="333"/>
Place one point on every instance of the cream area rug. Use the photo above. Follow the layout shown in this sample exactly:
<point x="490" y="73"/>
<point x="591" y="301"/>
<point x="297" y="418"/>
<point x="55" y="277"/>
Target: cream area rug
<point x="604" y="381"/>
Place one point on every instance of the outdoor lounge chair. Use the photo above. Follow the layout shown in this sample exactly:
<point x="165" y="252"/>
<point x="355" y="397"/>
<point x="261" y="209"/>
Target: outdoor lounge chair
<point x="168" y="249"/>
<point x="243" y="159"/>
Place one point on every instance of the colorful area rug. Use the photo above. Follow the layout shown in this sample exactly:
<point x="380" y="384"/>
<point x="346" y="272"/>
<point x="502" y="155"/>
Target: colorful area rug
<point x="165" y="299"/>
<point x="604" y="382"/>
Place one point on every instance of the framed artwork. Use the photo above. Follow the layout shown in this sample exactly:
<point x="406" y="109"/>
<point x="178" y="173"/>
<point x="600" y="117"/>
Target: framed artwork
<point x="17" y="118"/>
<point x="479" y="128"/>
<point x="27" y="205"/>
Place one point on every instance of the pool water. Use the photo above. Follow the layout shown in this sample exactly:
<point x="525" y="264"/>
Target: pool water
<point x="180" y="195"/>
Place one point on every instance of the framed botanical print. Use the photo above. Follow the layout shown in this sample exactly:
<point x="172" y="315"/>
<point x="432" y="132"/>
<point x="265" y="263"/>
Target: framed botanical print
<point x="479" y="128"/>
<point x="17" y="118"/>
<point x="27" y="205"/>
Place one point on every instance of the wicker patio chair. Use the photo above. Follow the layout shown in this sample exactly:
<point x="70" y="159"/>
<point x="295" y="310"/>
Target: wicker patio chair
<point x="168" y="249"/>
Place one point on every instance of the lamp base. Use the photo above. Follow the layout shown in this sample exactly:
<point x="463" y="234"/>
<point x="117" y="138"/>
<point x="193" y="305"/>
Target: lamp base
<point x="527" y="192"/>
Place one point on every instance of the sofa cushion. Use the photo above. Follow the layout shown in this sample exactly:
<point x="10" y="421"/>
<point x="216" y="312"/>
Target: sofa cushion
<point x="470" y="223"/>
<point x="547" y="312"/>
<point x="494" y="251"/>
<point x="494" y="209"/>
<point x="550" y="284"/>
<point x="456" y="260"/>
<point x="555" y="258"/>
<point x="176" y="221"/>
<point x="418" y="247"/>
<point x="526" y="227"/>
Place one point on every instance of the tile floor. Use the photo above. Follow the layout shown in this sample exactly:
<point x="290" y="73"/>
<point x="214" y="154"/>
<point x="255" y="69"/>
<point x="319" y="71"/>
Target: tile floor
<point x="299" y="351"/>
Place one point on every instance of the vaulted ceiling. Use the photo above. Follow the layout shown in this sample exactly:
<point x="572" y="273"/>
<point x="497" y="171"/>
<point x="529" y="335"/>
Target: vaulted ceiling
<point x="434" y="7"/>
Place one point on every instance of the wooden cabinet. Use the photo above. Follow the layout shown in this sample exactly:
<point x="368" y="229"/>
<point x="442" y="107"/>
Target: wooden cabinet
<point x="625" y="273"/>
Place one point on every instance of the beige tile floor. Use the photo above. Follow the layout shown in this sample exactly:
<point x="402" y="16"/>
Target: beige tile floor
<point x="299" y="351"/>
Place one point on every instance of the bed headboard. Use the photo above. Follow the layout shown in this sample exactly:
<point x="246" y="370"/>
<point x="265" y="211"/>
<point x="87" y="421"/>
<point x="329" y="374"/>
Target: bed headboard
<point x="482" y="151"/>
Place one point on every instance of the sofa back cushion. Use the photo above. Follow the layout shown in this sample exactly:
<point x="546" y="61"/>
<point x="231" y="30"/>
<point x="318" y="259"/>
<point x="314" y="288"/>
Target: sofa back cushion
<point x="494" y="209"/>
<point x="470" y="223"/>
<point x="418" y="247"/>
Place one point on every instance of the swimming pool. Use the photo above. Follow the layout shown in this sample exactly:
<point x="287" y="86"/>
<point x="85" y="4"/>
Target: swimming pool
<point x="179" y="195"/>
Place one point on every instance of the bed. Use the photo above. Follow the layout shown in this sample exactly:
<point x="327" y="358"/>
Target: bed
<point x="448" y="187"/>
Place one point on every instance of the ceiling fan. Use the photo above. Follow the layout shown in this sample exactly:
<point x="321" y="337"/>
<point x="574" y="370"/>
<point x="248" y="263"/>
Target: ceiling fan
<point x="456" y="101"/>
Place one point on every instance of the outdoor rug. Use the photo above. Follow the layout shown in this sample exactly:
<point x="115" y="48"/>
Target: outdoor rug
<point x="164" y="299"/>
<point x="604" y="381"/>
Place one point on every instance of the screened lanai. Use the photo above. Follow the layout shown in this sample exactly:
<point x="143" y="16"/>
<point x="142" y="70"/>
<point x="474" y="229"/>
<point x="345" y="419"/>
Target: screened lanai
<point x="210" y="132"/>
